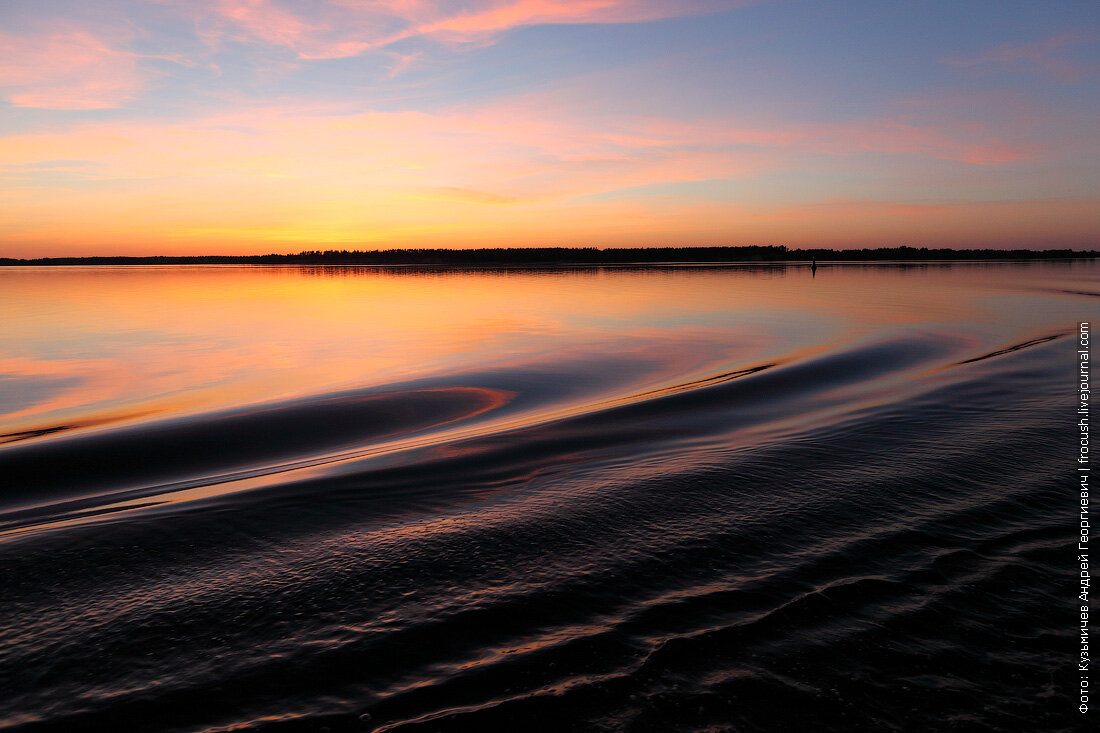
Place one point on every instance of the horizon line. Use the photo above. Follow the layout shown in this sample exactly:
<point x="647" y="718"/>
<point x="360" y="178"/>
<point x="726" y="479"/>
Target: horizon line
<point x="567" y="256"/>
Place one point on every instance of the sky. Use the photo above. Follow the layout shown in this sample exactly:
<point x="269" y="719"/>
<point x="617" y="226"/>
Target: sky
<point x="252" y="126"/>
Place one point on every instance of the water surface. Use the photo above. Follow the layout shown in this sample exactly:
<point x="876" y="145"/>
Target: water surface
<point x="644" y="499"/>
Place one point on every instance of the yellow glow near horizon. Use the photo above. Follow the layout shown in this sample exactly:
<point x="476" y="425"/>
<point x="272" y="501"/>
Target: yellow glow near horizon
<point x="271" y="125"/>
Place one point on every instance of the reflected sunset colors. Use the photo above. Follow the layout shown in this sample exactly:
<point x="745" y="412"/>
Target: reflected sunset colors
<point x="491" y="499"/>
<point x="87" y="346"/>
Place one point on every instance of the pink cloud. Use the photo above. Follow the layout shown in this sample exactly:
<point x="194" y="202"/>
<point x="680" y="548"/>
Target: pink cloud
<point x="342" y="28"/>
<point x="294" y="177"/>
<point x="846" y="208"/>
<point x="594" y="136"/>
<point x="494" y="17"/>
<point x="506" y="156"/>
<point x="266" y="21"/>
<point x="69" y="69"/>
<point x="963" y="143"/>
<point x="1042" y="55"/>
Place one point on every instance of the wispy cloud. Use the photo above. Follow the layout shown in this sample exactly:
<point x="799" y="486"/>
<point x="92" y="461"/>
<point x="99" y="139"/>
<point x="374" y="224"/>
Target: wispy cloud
<point x="393" y="121"/>
<point x="473" y="156"/>
<point x="68" y="66"/>
<point x="342" y="28"/>
<point x="67" y="69"/>
<point x="1046" y="56"/>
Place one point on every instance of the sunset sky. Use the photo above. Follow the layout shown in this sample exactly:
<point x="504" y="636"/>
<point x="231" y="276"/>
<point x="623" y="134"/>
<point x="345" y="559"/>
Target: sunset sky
<point x="245" y="126"/>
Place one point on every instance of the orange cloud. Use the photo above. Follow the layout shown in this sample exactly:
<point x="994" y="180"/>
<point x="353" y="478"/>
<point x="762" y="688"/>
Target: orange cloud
<point x="533" y="167"/>
<point x="848" y="223"/>
<point x="297" y="178"/>
<point x="500" y="155"/>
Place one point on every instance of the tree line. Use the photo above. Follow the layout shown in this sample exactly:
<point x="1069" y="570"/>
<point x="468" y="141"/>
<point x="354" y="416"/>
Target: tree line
<point x="502" y="256"/>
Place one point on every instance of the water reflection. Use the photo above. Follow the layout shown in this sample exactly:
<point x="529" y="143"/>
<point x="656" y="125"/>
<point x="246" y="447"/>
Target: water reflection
<point x="88" y="346"/>
<point x="659" y="498"/>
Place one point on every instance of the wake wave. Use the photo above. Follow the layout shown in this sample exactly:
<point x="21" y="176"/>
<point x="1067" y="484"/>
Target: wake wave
<point x="823" y="538"/>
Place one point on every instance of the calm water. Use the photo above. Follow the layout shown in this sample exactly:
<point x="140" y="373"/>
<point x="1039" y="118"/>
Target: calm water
<point x="745" y="499"/>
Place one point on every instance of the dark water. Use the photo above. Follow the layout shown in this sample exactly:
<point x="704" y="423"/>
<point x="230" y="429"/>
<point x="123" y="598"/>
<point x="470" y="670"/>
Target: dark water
<point x="683" y="499"/>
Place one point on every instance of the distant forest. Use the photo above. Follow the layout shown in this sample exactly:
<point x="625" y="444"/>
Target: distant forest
<point x="549" y="256"/>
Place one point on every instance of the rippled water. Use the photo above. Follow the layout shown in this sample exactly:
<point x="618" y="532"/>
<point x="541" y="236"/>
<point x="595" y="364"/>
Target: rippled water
<point x="655" y="499"/>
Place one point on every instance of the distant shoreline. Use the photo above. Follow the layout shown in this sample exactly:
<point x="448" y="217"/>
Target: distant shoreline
<point x="570" y="257"/>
